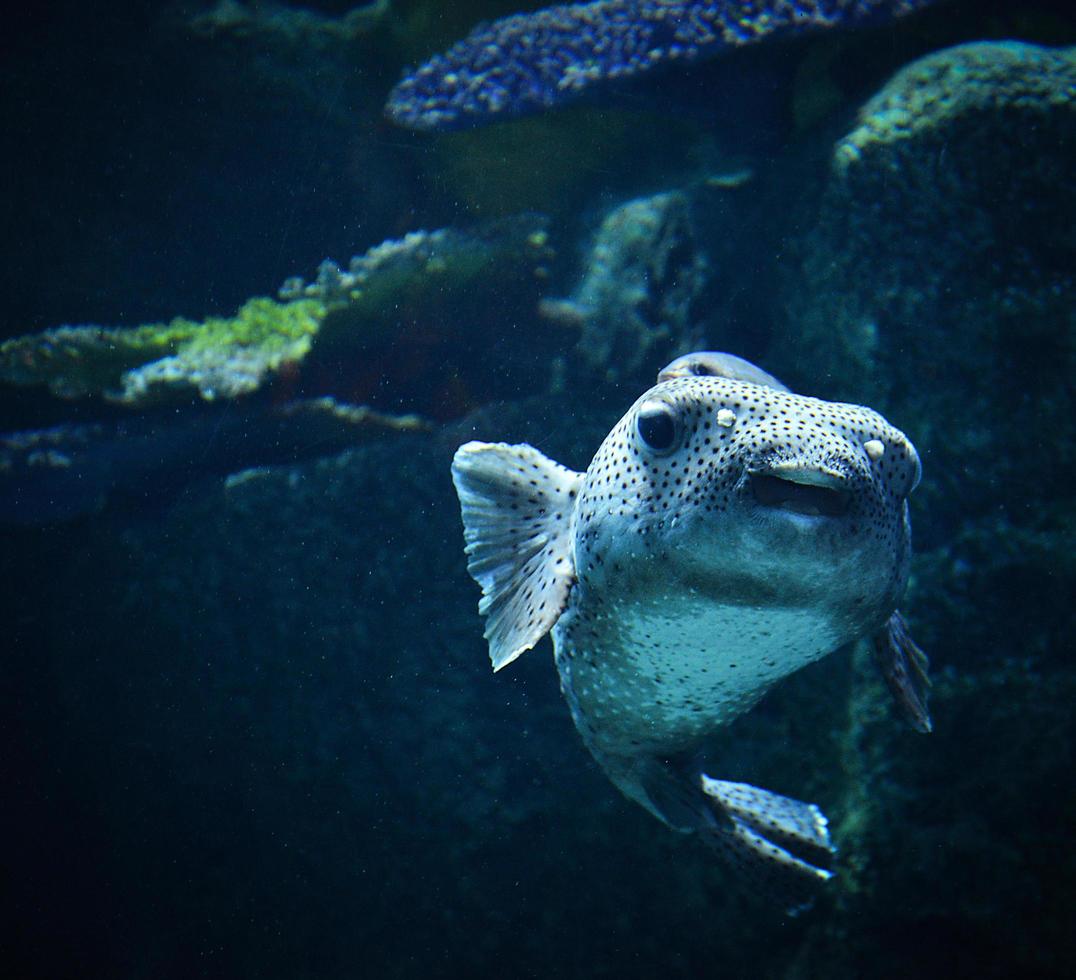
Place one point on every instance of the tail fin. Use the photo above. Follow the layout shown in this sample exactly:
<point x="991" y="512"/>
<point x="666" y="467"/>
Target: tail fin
<point x="778" y="846"/>
<point x="773" y="840"/>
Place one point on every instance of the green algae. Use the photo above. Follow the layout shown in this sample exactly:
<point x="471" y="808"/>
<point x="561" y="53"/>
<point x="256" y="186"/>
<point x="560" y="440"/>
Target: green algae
<point x="218" y="356"/>
<point x="228" y="356"/>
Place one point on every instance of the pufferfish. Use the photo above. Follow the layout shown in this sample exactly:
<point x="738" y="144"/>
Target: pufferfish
<point x="726" y="533"/>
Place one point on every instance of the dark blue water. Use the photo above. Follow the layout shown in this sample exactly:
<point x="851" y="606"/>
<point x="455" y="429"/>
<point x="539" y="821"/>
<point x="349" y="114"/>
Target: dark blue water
<point x="248" y="720"/>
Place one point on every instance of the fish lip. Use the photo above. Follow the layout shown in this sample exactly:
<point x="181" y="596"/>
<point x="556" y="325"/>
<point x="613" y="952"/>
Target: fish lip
<point x="813" y="491"/>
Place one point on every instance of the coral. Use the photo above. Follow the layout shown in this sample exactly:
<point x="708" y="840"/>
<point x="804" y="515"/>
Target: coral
<point x="967" y="148"/>
<point x="641" y="294"/>
<point x="226" y="357"/>
<point x="76" y="361"/>
<point x="531" y="62"/>
<point x="423" y="262"/>
<point x="922" y="101"/>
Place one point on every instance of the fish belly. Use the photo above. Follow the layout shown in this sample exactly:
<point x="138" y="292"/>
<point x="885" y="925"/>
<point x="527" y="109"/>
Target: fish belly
<point x="663" y="676"/>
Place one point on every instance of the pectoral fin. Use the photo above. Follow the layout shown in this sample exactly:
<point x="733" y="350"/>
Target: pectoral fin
<point x="904" y="667"/>
<point x="517" y="506"/>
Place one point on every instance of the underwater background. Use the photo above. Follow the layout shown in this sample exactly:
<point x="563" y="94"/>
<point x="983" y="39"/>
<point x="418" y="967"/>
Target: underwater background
<point x="249" y="724"/>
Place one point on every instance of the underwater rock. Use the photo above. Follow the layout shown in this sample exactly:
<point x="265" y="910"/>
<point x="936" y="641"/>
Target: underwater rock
<point x="533" y="62"/>
<point x="437" y="322"/>
<point x="641" y="298"/>
<point x="337" y="639"/>
<point x="938" y="270"/>
<point x="43" y="476"/>
<point x="423" y="262"/>
<point x="427" y="273"/>
<point x="947" y="94"/>
<point x="296" y="694"/>
<point x="966" y="148"/>
<point x="975" y="816"/>
<point x="936" y="278"/>
<point x="293" y="698"/>
<point x="68" y="471"/>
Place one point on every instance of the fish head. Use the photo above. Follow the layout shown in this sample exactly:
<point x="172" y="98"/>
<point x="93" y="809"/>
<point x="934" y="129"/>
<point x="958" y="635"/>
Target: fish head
<point x="749" y="494"/>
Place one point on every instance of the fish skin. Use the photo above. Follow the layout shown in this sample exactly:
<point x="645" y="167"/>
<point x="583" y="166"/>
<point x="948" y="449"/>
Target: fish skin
<point x="681" y="581"/>
<point x="718" y="365"/>
<point x="685" y="537"/>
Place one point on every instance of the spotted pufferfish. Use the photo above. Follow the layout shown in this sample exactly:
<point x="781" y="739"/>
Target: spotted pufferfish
<point x="727" y="533"/>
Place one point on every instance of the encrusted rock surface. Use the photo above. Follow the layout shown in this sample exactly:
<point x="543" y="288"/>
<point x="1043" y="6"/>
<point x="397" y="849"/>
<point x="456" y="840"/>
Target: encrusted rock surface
<point x="423" y="279"/>
<point x="641" y="297"/>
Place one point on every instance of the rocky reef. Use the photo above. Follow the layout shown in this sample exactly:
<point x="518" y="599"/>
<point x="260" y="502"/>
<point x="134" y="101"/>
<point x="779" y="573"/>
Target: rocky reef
<point x="405" y="327"/>
<point x="336" y="662"/>
<point x="938" y="269"/>
<point x="233" y="356"/>
<point x="75" y="470"/>
<point x="642" y="296"/>
<point x="936" y="278"/>
<point x="220" y="357"/>
<point x="254" y="728"/>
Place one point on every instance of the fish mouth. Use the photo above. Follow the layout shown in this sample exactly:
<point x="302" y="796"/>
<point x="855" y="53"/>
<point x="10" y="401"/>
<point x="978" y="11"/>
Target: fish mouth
<point x="814" y="492"/>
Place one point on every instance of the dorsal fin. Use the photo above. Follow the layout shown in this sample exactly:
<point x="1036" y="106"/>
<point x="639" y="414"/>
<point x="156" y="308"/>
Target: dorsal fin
<point x="517" y="506"/>
<point x="717" y="364"/>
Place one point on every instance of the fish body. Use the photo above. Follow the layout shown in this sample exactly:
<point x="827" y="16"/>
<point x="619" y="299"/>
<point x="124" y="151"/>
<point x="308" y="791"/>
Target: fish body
<point x="726" y="533"/>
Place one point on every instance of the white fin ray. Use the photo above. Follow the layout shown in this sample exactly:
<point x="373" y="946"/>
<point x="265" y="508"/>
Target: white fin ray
<point x="517" y="507"/>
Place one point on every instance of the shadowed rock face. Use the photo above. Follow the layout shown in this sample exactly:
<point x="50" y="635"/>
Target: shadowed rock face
<point x="284" y="742"/>
<point x="933" y="273"/>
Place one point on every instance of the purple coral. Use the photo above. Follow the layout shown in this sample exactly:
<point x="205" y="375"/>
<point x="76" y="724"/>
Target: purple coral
<point x="532" y="62"/>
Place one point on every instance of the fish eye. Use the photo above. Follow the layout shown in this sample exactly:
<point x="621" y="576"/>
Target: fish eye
<point x="657" y="425"/>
